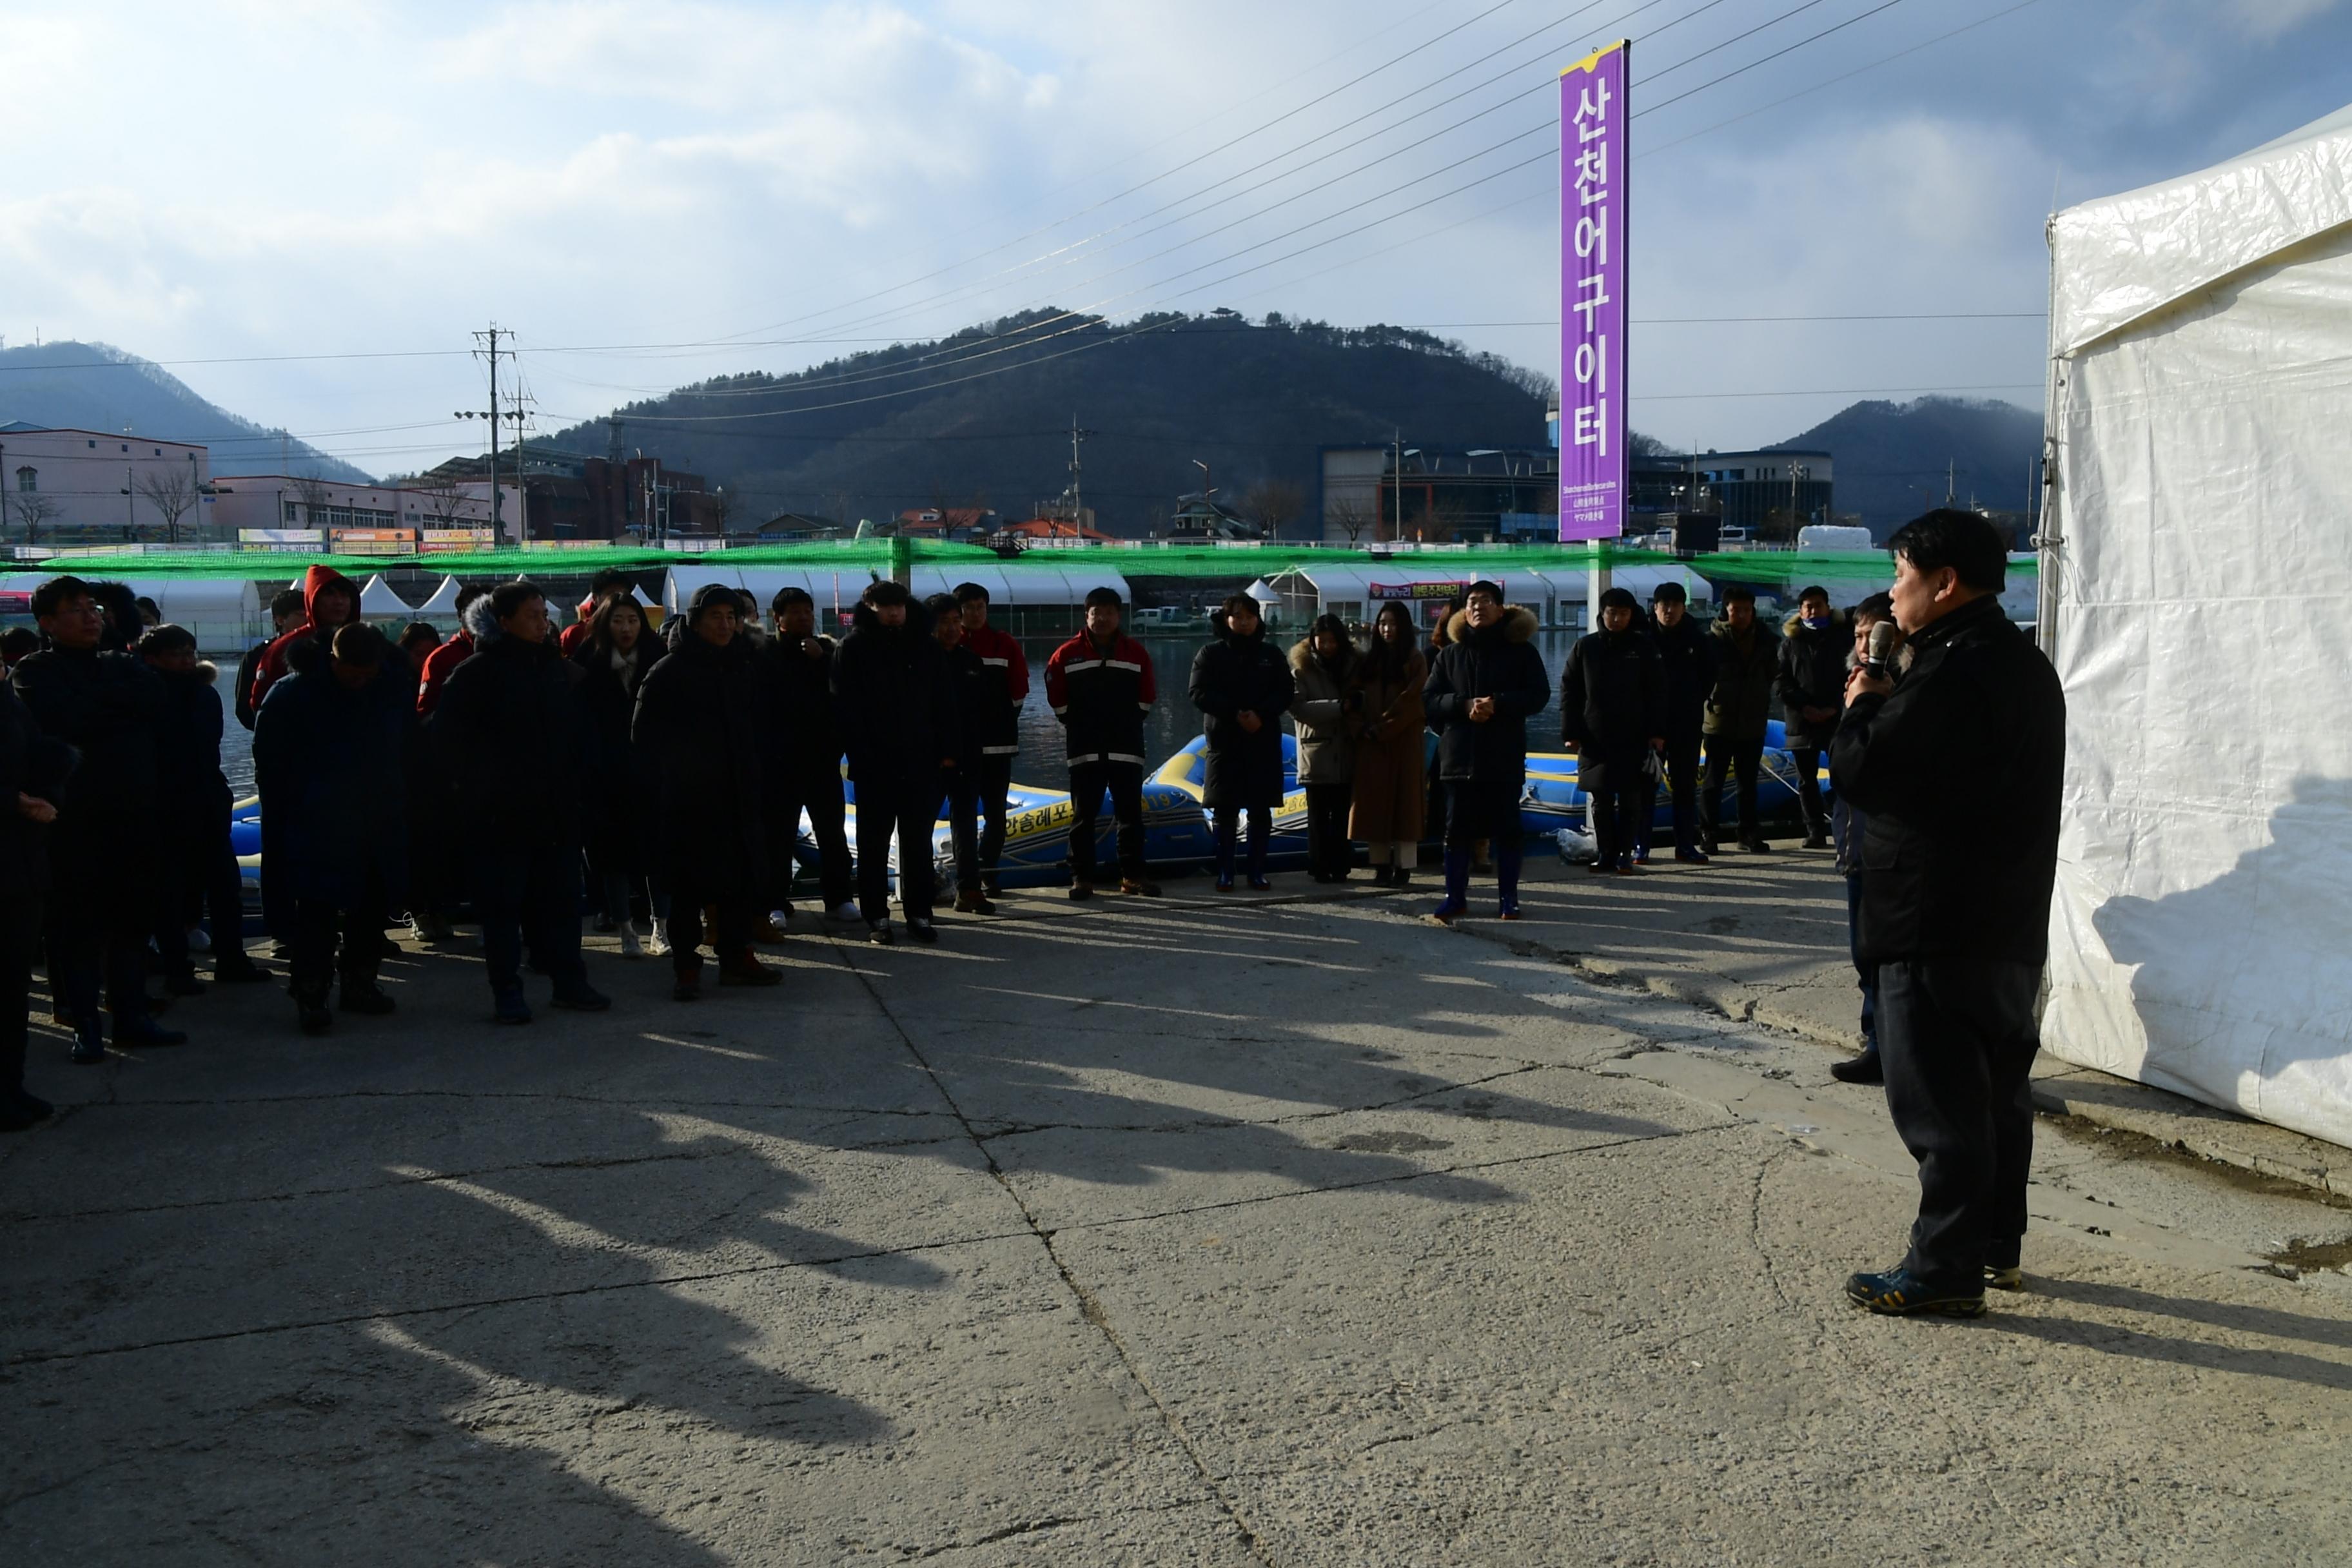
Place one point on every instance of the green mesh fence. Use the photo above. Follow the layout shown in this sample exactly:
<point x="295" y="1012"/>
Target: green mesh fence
<point x="1762" y="568"/>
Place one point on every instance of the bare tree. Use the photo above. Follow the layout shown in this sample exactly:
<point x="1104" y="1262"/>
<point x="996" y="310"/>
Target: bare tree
<point x="313" y="491"/>
<point x="171" y="490"/>
<point x="33" y="508"/>
<point x="1352" y="515"/>
<point x="1270" y="503"/>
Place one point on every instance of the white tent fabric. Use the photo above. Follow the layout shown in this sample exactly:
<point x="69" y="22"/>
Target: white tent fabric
<point x="378" y="602"/>
<point x="443" y="605"/>
<point x="222" y="613"/>
<point x="2202" y="331"/>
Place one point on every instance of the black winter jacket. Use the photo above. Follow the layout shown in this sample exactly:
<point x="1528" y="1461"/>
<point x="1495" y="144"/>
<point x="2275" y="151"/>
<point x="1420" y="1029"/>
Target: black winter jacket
<point x="1812" y="675"/>
<point x="106" y="706"/>
<point x="796" y="691"/>
<point x="1613" y="693"/>
<point x="193" y="794"/>
<point x="699" y="734"/>
<point x="1497" y="661"/>
<point x="1958" y="772"/>
<point x="30" y="763"/>
<point x="1686" y="659"/>
<point x="512" y="734"/>
<point x="1740" y="703"/>
<point x="1232" y="675"/>
<point x="620" y="804"/>
<point x="891" y="697"/>
<point x="330" y="767"/>
<point x="976" y="693"/>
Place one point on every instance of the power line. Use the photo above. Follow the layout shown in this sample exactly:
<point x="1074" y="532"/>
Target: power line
<point x="1831" y="391"/>
<point x="1768" y="59"/>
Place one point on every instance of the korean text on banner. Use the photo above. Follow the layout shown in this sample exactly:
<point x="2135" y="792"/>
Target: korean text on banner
<point x="1592" y="168"/>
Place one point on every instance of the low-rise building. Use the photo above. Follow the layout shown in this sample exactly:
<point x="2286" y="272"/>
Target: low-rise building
<point x="1771" y="494"/>
<point x="60" y="485"/>
<point x="1435" y="494"/>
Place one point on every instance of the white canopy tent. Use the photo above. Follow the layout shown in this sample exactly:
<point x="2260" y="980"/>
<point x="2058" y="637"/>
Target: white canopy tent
<point x="222" y="613"/>
<point x="1015" y="585"/>
<point x="443" y="605"/>
<point x="2202" y="344"/>
<point x="378" y="602"/>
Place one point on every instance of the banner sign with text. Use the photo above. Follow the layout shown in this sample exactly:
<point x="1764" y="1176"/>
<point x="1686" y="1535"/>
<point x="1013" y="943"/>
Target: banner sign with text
<point x="1592" y="168"/>
<point x="1417" y="590"/>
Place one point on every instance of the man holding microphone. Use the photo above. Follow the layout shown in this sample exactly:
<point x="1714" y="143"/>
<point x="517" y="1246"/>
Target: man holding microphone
<point x="1957" y="769"/>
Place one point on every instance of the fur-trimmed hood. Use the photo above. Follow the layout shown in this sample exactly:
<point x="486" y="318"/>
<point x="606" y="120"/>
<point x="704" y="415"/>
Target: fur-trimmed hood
<point x="1519" y="624"/>
<point x="481" y="622"/>
<point x="1795" y="622"/>
<point x="1303" y="659"/>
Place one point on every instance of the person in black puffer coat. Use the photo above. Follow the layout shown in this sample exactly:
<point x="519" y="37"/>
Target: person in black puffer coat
<point x="898" y="724"/>
<point x="330" y="741"/>
<point x="1687" y="657"/>
<point x="1486" y="685"/>
<point x="105" y="703"/>
<point x="975" y="691"/>
<point x="1612" y="713"/>
<point x="1747" y="662"/>
<point x="198" y="874"/>
<point x="1811" y="685"/>
<point x="699" y="733"/>
<point x="33" y="774"/>
<point x="615" y="655"/>
<point x="513" y="732"/>
<point x="803" y="762"/>
<point x="1243" y="685"/>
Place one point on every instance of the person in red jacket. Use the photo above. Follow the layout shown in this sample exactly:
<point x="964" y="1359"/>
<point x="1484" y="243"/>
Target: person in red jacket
<point x="612" y="579"/>
<point x="998" y="721"/>
<point x="329" y="600"/>
<point x="444" y="660"/>
<point x="1100" y="686"/>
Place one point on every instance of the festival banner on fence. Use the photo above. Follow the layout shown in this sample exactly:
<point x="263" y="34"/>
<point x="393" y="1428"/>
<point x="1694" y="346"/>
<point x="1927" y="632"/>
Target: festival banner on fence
<point x="1593" y="117"/>
<point x="1418" y="590"/>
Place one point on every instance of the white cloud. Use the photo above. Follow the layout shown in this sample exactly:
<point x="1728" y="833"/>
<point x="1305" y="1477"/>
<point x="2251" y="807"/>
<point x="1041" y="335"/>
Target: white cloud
<point x="2272" y="18"/>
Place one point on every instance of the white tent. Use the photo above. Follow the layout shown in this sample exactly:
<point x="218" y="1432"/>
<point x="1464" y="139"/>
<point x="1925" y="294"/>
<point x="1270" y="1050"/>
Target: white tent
<point x="223" y="612"/>
<point x="2202" y="341"/>
<point x="443" y="605"/>
<point x="379" y="603"/>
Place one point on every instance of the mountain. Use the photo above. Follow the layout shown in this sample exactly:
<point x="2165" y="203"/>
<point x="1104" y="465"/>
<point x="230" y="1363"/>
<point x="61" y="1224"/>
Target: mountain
<point x="1893" y="459"/>
<point x="983" y="417"/>
<point x="91" y="386"/>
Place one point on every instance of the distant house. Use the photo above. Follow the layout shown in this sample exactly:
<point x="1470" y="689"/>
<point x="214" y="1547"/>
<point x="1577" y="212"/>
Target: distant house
<point x="1203" y="517"/>
<point x="948" y="522"/>
<point x="1032" y="529"/>
<point x="797" y="525"/>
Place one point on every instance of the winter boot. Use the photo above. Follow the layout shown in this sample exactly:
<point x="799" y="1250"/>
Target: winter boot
<point x="1457" y="888"/>
<point x="1507" y="856"/>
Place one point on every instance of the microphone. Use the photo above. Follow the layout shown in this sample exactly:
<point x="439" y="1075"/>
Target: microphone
<point x="1882" y="649"/>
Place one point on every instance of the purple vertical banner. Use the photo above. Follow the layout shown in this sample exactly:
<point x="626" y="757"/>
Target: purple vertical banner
<point x="1592" y="166"/>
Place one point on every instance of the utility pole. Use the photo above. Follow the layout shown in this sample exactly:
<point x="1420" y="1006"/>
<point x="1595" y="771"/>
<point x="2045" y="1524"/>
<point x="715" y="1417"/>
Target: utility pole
<point x="490" y="336"/>
<point x="1077" y="501"/>
<point x="1396" y="485"/>
<point x="1951" y="478"/>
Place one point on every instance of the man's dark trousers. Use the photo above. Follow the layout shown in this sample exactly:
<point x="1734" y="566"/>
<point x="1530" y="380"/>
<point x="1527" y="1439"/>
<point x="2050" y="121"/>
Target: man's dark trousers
<point x="1743" y="758"/>
<point x="1124" y="784"/>
<point x="817" y="792"/>
<point x="328" y="940"/>
<point x="530" y="893"/>
<point x="1807" y="760"/>
<point x="1681" y="758"/>
<point x="964" y="814"/>
<point x="908" y="808"/>
<point x="1958" y="1039"/>
<point x="994" y="782"/>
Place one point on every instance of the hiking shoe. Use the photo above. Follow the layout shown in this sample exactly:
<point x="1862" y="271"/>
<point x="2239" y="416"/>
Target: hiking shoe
<point x="1138" y="888"/>
<point x="1864" y="1067"/>
<point x="881" y="935"/>
<point x="585" y="999"/>
<point x="1899" y="1293"/>
<point x="744" y="969"/>
<point x="1999" y="1279"/>
<point x="973" y="904"/>
<point x="368" y="999"/>
<point x="1081" y="891"/>
<point x="922" y="929"/>
<point x="509" y="1007"/>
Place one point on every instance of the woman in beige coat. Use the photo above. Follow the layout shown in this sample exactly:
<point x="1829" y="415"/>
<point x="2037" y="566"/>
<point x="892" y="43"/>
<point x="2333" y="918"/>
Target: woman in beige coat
<point x="1391" y="763"/>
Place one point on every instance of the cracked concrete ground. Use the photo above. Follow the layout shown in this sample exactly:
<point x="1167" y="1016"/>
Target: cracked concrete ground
<point x="1287" y="1232"/>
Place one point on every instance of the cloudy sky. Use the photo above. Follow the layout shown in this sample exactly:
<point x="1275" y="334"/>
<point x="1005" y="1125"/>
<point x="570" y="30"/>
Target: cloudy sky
<point x="646" y="193"/>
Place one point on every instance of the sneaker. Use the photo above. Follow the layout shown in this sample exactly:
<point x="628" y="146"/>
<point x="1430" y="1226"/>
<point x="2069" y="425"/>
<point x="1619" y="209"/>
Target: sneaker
<point x="509" y="1007"/>
<point x="657" y="944"/>
<point x="1081" y="891"/>
<point x="584" y="999"/>
<point x="881" y="935"/>
<point x="199" y="939"/>
<point x="429" y="927"/>
<point x="973" y="903"/>
<point x="1899" y="1293"/>
<point x="631" y="946"/>
<point x="89" y="1043"/>
<point x="237" y="970"/>
<point x="368" y="1000"/>
<point x="1138" y="888"/>
<point x="1999" y="1279"/>
<point x="1691" y="857"/>
<point x="1625" y="866"/>
<point x="1864" y="1067"/>
<point x="745" y="969"/>
<point x="1602" y="865"/>
<point x="1446" y="913"/>
<point x="1756" y="846"/>
<point x="1510" y="914"/>
<point x="922" y="929"/>
<point x="1642" y="856"/>
<point x="844" y="911"/>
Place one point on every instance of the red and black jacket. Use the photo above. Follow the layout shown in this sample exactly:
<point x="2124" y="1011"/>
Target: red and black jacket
<point x="995" y="709"/>
<point x="1100" y="695"/>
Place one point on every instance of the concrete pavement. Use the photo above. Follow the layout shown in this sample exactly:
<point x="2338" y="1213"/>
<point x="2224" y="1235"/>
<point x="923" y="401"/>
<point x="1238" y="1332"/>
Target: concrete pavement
<point x="1290" y="1232"/>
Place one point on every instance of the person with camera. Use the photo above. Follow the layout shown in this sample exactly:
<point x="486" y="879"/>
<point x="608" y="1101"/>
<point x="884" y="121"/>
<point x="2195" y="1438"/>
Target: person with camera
<point x="1956" y="902"/>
